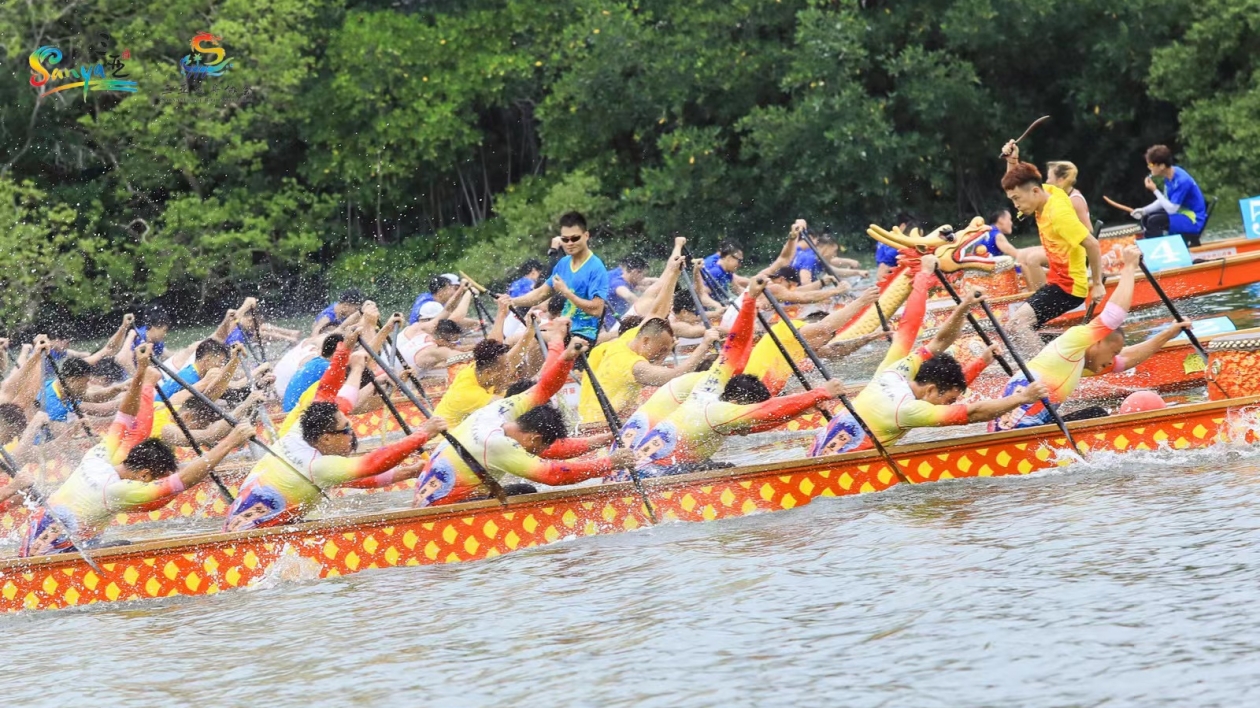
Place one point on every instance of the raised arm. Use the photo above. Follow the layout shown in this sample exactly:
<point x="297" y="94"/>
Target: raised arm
<point x="1122" y="297"/>
<point x="948" y="332"/>
<point x="115" y="342"/>
<point x="830" y="324"/>
<point x="912" y="318"/>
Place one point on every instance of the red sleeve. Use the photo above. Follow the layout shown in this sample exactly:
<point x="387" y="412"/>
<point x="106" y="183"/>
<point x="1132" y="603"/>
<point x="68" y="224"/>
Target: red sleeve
<point x="916" y="309"/>
<point x="330" y="383"/>
<point x="384" y="458"/>
<point x="739" y="341"/>
<point x="770" y="413"/>
<point x="566" y="448"/>
<point x="974" y="368"/>
<point x="556" y="474"/>
<point x="555" y="372"/>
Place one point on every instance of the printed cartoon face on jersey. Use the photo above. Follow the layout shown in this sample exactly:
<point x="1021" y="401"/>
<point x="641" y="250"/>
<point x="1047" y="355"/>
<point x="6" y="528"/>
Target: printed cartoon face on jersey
<point x="657" y="445"/>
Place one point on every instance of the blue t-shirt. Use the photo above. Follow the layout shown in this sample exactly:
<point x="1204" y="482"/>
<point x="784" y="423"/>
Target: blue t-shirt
<point x="236" y="336"/>
<point x="720" y="276"/>
<point x="587" y="282"/>
<point x="1182" y="189"/>
<point x="329" y="313"/>
<point x="617" y="305"/>
<point x="311" y="372"/>
<point x="54" y="358"/>
<point x="990" y="242"/>
<point x="414" y="317"/>
<point x="886" y="255"/>
<point x="806" y="259"/>
<point x="521" y="287"/>
<point x="53" y="405"/>
<point x="142" y="336"/>
<point x="188" y="374"/>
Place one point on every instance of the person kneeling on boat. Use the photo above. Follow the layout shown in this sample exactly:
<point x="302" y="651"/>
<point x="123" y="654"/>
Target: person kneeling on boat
<point x="317" y="454"/>
<point x="521" y="435"/>
<point x="125" y="472"/>
<point x="1091" y="349"/>
<point x="723" y="403"/>
<point x="918" y="388"/>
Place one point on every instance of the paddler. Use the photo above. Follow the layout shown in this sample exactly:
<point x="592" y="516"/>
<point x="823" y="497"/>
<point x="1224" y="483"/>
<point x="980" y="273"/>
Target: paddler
<point x="918" y="388"/>
<point x="521" y="435"/>
<point x="319" y="447"/>
<point x="126" y="472"/>
<point x="1071" y="251"/>
<point x="1091" y="349"/>
<point x="723" y="403"/>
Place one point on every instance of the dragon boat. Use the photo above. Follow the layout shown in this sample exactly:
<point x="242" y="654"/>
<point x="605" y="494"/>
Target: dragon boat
<point x="211" y="563"/>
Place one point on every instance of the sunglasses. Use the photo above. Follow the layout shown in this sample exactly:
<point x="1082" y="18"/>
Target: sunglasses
<point x="738" y="259"/>
<point x="570" y="239"/>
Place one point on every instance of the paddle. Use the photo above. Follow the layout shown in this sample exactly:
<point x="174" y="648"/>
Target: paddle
<point x="614" y="424"/>
<point x="809" y="241"/>
<point x="260" y="414"/>
<point x="822" y="369"/>
<point x="1034" y="124"/>
<point x="192" y="441"/>
<point x="1172" y="309"/>
<point x="695" y="298"/>
<point x="974" y="323"/>
<point x="262" y="348"/>
<point x="10" y="466"/>
<point x="492" y="484"/>
<point x="1006" y="341"/>
<point x="1118" y="205"/>
<point x="232" y="421"/>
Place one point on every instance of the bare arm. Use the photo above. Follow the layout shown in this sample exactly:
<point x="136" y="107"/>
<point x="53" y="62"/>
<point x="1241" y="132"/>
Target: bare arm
<point x="1094" y="253"/>
<point x="992" y="408"/>
<point x="536" y="296"/>
<point x="653" y="375"/>
<point x="949" y="331"/>
<point x="1138" y="353"/>
<point x="195" y="471"/>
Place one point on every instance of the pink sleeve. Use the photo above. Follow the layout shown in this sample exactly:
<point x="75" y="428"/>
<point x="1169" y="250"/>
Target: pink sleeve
<point x="1113" y="316"/>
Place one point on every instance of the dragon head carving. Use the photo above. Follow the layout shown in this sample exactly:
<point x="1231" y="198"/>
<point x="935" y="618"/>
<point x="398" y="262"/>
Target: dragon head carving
<point x="956" y="250"/>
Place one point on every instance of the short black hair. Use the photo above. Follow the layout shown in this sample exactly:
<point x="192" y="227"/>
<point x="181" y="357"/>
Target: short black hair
<point x="745" y="389"/>
<point x="11" y="415"/>
<point x="157" y="317"/>
<point x="487" y="352"/>
<point x="544" y="420"/>
<point x="683" y="302"/>
<point x="75" y="368"/>
<point x="519" y="387"/>
<point x="556" y="305"/>
<point x="529" y="266"/>
<point x="997" y="214"/>
<point x="57" y="330"/>
<point x="351" y="296"/>
<point x="153" y="456"/>
<point x="573" y="218"/>
<point x="815" y="316"/>
<point x="196" y="410"/>
<point x="655" y="326"/>
<point x="210" y="347"/>
<point x="329" y="347"/>
<point x="629" y="322"/>
<point x="824" y="239"/>
<point x="437" y="282"/>
<point x="904" y="218"/>
<point x="109" y="370"/>
<point x="1159" y="155"/>
<point x="235" y="396"/>
<point x="320" y="418"/>
<point x="447" y="329"/>
<point x="787" y="273"/>
<point x="944" y="371"/>
<point x="634" y="262"/>
<point x="727" y="248"/>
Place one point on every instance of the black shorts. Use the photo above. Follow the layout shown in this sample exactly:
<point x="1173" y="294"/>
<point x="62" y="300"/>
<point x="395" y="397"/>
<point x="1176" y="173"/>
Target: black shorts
<point x="1050" y="301"/>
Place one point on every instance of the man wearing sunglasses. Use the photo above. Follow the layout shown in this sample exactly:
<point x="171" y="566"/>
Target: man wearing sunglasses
<point x="580" y="277"/>
<point x="318" y="453"/>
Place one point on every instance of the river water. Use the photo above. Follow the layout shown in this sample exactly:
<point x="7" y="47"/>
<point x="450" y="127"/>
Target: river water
<point x="1128" y="581"/>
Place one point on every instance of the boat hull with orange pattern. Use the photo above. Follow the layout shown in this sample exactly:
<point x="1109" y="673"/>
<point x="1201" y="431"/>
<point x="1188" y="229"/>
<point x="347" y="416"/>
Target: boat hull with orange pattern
<point x="212" y="563"/>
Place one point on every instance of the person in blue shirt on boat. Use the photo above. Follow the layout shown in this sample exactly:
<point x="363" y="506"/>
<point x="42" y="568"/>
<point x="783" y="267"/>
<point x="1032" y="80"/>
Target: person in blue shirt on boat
<point x="157" y="323"/>
<point x="60" y="339"/>
<point x="31" y="392"/>
<point x="210" y="354"/>
<point x="886" y="256"/>
<point x="530" y="271"/>
<point x="580" y="277"/>
<point x="995" y="241"/>
<point x="1180" y="208"/>
<point x="809" y="267"/>
<point x="721" y="267"/>
<point x="622" y="282"/>
<point x="311" y="372"/>
<point x="441" y="288"/>
<point x="348" y="304"/>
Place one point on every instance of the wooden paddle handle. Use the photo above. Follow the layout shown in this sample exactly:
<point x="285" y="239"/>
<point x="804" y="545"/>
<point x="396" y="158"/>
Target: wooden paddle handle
<point x="1035" y="123"/>
<point x="1118" y="205"/>
<point x="475" y="285"/>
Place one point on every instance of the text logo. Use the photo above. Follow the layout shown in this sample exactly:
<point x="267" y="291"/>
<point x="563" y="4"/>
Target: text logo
<point x="88" y="76"/>
<point x="208" y="57"/>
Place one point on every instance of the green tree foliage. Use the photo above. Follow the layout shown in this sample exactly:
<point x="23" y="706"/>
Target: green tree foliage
<point x="376" y="144"/>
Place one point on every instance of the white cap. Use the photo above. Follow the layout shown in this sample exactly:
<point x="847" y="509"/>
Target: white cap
<point x="431" y="309"/>
<point x="451" y="278"/>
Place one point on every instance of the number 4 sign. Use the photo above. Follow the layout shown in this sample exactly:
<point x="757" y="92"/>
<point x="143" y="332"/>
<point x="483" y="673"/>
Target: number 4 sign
<point x="1251" y="216"/>
<point x="1165" y="252"/>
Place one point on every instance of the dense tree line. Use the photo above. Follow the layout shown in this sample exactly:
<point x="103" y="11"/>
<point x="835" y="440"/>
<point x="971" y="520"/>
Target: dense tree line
<point x="376" y="142"/>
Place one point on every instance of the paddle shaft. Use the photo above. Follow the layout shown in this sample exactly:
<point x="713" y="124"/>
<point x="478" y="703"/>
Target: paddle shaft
<point x="822" y="369"/>
<point x="232" y="421"/>
<point x="1006" y="340"/>
<point x="393" y="410"/>
<point x="482" y="314"/>
<point x="614" y="424"/>
<point x="11" y="469"/>
<point x="975" y="324"/>
<point x="492" y="484"/>
<point x="192" y="441"/>
<point x="70" y="399"/>
<point x="1172" y="309"/>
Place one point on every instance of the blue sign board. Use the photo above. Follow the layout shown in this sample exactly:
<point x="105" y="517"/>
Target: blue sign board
<point x="1165" y="252"/>
<point x="1208" y="327"/>
<point x="1251" y="216"/>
